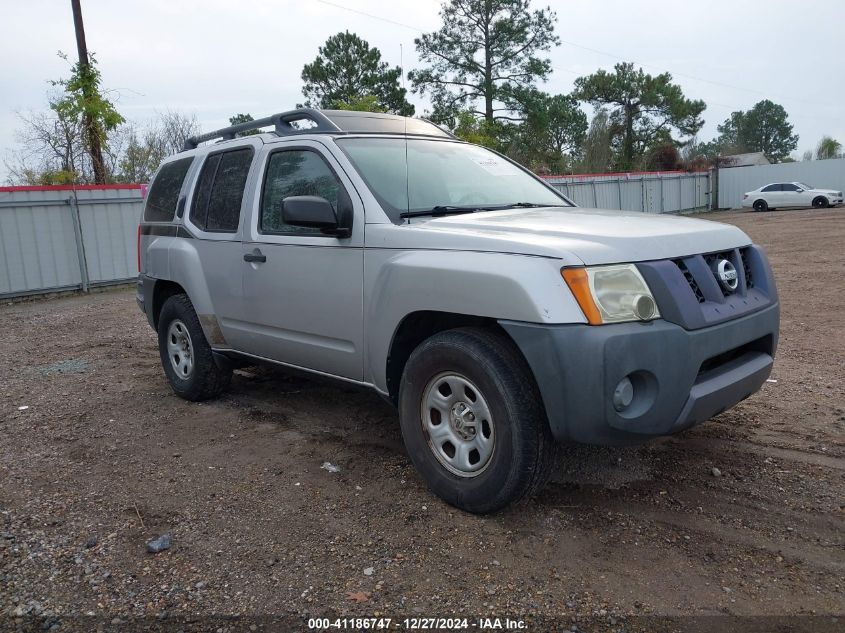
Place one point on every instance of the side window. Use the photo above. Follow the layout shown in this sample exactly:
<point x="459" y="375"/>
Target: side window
<point x="220" y="191"/>
<point x="788" y="186"/>
<point x="164" y="192"/>
<point x="771" y="188"/>
<point x="294" y="173"/>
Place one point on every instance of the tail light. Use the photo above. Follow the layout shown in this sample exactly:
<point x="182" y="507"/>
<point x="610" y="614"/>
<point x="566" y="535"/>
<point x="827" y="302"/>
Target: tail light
<point x="139" y="248"/>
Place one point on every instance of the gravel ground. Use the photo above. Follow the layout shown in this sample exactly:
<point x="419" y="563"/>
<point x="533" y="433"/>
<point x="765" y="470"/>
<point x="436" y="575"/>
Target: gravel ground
<point x="742" y="516"/>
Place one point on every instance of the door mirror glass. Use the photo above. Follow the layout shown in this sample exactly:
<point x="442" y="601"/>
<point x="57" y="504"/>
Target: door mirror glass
<point x="311" y="212"/>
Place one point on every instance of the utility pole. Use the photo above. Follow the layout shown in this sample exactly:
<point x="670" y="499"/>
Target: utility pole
<point x="92" y="132"/>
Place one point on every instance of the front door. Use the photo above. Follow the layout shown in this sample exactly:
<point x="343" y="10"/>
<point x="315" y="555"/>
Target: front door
<point x="303" y="290"/>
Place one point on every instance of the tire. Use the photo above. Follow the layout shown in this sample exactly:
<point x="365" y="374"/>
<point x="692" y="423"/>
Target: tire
<point x="511" y="421"/>
<point x="761" y="205"/>
<point x="820" y="202"/>
<point x="186" y="355"/>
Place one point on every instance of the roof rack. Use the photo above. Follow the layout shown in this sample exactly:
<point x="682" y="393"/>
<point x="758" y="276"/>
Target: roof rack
<point x="281" y="122"/>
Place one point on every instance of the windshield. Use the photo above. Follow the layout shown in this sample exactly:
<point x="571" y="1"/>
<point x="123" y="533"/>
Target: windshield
<point x="419" y="175"/>
<point x="803" y="185"/>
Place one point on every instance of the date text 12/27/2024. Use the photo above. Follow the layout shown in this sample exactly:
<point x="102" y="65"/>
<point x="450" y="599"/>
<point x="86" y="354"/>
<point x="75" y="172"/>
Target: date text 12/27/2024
<point x="417" y="624"/>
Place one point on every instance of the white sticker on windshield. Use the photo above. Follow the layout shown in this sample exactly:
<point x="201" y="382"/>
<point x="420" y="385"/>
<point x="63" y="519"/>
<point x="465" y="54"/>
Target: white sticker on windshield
<point x="495" y="166"/>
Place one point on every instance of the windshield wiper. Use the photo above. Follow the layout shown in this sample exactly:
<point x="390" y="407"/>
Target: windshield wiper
<point x="449" y="209"/>
<point x="520" y="205"/>
<point x="438" y="210"/>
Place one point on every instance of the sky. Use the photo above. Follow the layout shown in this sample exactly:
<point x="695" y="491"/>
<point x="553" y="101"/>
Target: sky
<point x="216" y="58"/>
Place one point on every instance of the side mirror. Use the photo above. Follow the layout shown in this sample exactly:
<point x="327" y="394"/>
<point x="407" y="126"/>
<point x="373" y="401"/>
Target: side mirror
<point x="799" y="191"/>
<point x="313" y="212"/>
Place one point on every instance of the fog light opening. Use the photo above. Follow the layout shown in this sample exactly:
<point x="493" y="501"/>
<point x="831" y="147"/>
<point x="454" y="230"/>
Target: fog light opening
<point x="623" y="395"/>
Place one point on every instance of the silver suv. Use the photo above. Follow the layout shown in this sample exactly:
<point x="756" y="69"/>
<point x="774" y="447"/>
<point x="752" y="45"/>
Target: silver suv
<point x="499" y="318"/>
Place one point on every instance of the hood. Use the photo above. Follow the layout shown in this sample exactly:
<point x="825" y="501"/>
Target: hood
<point x="829" y="192"/>
<point x="594" y="236"/>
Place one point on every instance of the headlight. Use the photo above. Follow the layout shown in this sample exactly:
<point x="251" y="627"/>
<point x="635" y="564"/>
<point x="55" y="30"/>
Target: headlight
<point x="611" y="294"/>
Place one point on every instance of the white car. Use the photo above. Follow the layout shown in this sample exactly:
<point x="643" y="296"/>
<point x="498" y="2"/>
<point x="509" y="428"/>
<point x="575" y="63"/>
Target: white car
<point x="790" y="194"/>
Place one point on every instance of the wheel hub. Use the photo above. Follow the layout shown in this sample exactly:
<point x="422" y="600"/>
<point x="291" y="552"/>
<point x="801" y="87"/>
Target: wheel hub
<point x="457" y="422"/>
<point x="462" y="420"/>
<point x="180" y="349"/>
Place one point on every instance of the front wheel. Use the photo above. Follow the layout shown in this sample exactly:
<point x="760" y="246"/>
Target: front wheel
<point x="473" y="421"/>
<point x="186" y="355"/>
<point x="820" y="202"/>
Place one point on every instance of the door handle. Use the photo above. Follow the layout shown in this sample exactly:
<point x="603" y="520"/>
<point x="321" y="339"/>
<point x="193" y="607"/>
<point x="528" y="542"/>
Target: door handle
<point x="255" y="256"/>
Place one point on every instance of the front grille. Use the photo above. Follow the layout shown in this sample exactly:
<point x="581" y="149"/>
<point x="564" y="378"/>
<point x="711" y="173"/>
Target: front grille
<point x="693" y="284"/>
<point x="744" y="255"/>
<point x="712" y="260"/>
<point x="688" y="291"/>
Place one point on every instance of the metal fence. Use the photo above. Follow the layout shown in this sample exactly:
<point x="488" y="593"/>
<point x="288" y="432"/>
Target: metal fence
<point x="66" y="238"/>
<point x="735" y="181"/>
<point x="649" y="192"/>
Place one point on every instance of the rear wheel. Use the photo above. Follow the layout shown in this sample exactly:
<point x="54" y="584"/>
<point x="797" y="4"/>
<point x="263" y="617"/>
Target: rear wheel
<point x="473" y="421"/>
<point x="185" y="354"/>
<point x="761" y="205"/>
<point x="820" y="202"/>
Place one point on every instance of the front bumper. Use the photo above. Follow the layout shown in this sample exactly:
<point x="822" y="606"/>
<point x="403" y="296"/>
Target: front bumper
<point x="680" y="377"/>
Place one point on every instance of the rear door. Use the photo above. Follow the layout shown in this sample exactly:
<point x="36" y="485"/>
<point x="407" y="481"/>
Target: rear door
<point x="304" y="289"/>
<point x="214" y="222"/>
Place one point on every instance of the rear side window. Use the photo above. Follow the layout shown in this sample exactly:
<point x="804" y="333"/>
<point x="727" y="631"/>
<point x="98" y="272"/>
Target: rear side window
<point x="164" y="192"/>
<point x="771" y="188"/>
<point x="295" y="173"/>
<point x="220" y="191"/>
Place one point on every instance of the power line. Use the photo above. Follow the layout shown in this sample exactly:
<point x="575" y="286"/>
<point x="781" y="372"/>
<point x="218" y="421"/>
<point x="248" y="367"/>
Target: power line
<point x="617" y="57"/>
<point x="687" y="76"/>
<point x="370" y="15"/>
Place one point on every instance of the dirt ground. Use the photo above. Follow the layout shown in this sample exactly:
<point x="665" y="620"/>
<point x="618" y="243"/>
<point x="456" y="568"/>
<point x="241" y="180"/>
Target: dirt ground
<point x="742" y="516"/>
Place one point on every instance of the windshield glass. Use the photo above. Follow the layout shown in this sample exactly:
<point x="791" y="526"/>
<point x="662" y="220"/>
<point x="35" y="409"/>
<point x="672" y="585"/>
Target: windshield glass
<point x="429" y="174"/>
<point x="803" y="185"/>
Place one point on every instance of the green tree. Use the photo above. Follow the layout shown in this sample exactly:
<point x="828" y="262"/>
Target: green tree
<point x="367" y="103"/>
<point x="468" y="127"/>
<point x="552" y="132"/>
<point x="764" y="128"/>
<point x="83" y="103"/>
<point x="347" y="69"/>
<point x="483" y="54"/>
<point x="644" y="110"/>
<point x="598" y="148"/>
<point x="243" y="118"/>
<point x="828" y="147"/>
<point x="662" y="157"/>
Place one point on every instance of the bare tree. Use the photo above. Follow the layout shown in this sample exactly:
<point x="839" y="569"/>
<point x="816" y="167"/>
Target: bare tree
<point x="52" y="151"/>
<point x="144" y="149"/>
<point x="174" y="129"/>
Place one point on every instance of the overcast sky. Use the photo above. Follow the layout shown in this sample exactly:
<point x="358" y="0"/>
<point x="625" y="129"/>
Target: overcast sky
<point x="216" y="58"/>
